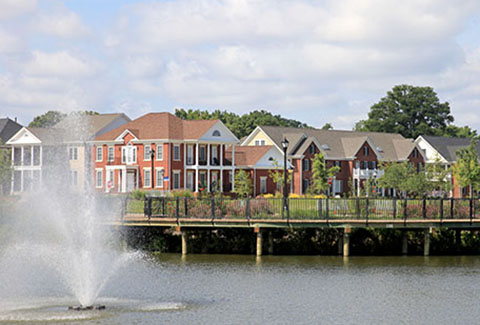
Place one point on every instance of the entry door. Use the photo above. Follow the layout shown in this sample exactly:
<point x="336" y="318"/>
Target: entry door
<point x="130" y="181"/>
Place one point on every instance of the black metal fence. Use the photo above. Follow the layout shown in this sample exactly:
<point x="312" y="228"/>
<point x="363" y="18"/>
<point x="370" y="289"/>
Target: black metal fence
<point x="311" y="208"/>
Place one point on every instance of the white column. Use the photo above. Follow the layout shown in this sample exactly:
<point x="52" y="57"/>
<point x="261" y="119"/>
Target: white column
<point x="208" y="154"/>
<point x="233" y="167"/>
<point x="196" y="178"/>
<point x="301" y="177"/>
<point x="124" y="179"/>
<point x="184" y="165"/>
<point x="222" y="146"/>
<point x="208" y="180"/>
<point x="221" y="155"/>
<point x="21" y="160"/>
<point x="221" y="179"/>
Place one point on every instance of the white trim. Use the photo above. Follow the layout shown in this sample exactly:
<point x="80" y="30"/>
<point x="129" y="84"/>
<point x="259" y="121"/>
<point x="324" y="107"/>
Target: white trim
<point x="157" y="183"/>
<point x="176" y="172"/>
<point x="108" y="153"/>
<point x="176" y="145"/>
<point x="147" y="169"/>
<point x="96" y="153"/>
<point x="124" y="133"/>
<point x="147" y="157"/>
<point x="157" y="151"/>
<point x="97" y="170"/>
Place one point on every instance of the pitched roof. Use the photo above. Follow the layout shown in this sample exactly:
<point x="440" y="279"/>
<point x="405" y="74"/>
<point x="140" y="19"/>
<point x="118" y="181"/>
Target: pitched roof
<point x="341" y="144"/>
<point x="161" y="126"/>
<point x="447" y="146"/>
<point x="247" y="155"/>
<point x="8" y="128"/>
<point x="48" y="136"/>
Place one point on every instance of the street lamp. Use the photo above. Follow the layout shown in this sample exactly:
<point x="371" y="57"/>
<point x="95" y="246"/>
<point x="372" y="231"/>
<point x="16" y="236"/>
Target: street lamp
<point x="152" y="156"/>
<point x="285" y="191"/>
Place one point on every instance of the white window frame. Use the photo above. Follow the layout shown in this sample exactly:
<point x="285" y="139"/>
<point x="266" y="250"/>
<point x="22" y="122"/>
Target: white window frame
<point x="176" y="146"/>
<point x="366" y="151"/>
<point x="158" y="181"/>
<point x="113" y="153"/>
<point x="260" y="142"/>
<point x="125" y="154"/>
<point x="145" y="178"/>
<point x="73" y="153"/>
<point x="176" y="173"/>
<point x="97" y="172"/>
<point x="111" y="178"/>
<point x="202" y="148"/>
<point x="146" y="152"/>
<point x="99" y="157"/>
<point x="190" y="157"/>
<point x="159" y="154"/>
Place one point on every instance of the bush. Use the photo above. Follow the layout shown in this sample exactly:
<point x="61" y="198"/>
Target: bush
<point x="138" y="195"/>
<point x="182" y="193"/>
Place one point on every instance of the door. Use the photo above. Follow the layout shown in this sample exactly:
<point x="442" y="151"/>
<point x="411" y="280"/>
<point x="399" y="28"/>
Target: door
<point x="190" y="181"/>
<point x="130" y="181"/>
<point x="263" y="184"/>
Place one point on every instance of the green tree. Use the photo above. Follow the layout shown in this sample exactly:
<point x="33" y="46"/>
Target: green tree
<point x="48" y="119"/>
<point x="467" y="167"/>
<point x="410" y="111"/>
<point x="240" y="125"/>
<point x="320" y="174"/>
<point x="51" y="118"/>
<point x="243" y="184"/>
<point x="5" y="166"/>
<point x="459" y="132"/>
<point x="327" y="126"/>
<point x="394" y="176"/>
<point x="437" y="175"/>
<point x="276" y="175"/>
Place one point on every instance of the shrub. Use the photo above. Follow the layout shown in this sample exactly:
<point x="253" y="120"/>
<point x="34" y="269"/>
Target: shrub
<point x="294" y="196"/>
<point x="138" y="195"/>
<point x="182" y="193"/>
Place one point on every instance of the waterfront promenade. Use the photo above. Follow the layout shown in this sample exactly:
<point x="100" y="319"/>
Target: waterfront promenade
<point x="262" y="214"/>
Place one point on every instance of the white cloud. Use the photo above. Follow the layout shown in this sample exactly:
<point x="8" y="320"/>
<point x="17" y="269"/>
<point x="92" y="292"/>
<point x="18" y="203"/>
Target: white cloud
<point x="12" y="8"/>
<point x="9" y="43"/>
<point x="61" y="23"/>
<point x="60" y="64"/>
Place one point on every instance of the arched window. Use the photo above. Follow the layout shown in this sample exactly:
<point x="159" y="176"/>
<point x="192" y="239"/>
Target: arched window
<point x="216" y="133"/>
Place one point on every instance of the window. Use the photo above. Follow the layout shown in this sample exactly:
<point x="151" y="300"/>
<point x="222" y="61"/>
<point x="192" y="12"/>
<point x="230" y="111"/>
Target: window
<point x="372" y="165"/>
<point x="357" y="164"/>
<point x="36" y="155"/>
<point x="176" y="179"/>
<point x="160" y="152"/>
<point x="215" y="161"/>
<point x="190" y="181"/>
<point x="146" y="152"/>
<point x="129" y="154"/>
<point x="17" y="156"/>
<point x="111" y="178"/>
<point x="338" y="164"/>
<point x="263" y="184"/>
<point x="147" y="176"/>
<point x="419" y="167"/>
<point x="73" y="177"/>
<point x="190" y="155"/>
<point x="99" y="178"/>
<point x="73" y="153"/>
<point x="415" y="153"/>
<point x="365" y="151"/>
<point x="111" y="154"/>
<point x="306" y="164"/>
<point x="202" y="153"/>
<point x="363" y="165"/>
<point x="202" y="179"/>
<point x="176" y="152"/>
<point x="216" y="133"/>
<point x="99" y="153"/>
<point x="27" y="156"/>
<point x="159" y="178"/>
<point x="312" y="148"/>
<point x="259" y="142"/>
<point x="17" y="181"/>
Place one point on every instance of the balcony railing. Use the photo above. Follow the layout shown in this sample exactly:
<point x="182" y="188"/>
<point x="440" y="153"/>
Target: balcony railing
<point x="367" y="173"/>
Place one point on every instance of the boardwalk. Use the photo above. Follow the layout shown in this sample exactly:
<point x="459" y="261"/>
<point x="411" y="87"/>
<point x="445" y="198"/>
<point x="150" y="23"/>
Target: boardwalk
<point x="261" y="214"/>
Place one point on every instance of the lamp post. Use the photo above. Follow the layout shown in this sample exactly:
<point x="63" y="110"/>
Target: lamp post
<point x="152" y="156"/>
<point x="375" y="182"/>
<point x="285" y="191"/>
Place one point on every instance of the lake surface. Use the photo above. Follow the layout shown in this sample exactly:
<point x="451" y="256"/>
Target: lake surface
<point x="220" y="289"/>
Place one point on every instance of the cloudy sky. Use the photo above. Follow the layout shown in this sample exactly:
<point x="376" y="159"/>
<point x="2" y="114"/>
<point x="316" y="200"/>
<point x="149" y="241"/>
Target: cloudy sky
<point x="314" y="61"/>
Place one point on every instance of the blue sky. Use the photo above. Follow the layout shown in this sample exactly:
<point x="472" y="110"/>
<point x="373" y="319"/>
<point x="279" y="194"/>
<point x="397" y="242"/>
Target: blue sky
<point x="314" y="61"/>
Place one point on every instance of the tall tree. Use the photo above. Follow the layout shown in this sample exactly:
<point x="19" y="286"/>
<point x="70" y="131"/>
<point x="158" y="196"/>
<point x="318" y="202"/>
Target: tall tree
<point x="243" y="184"/>
<point x="5" y="166"/>
<point x="240" y="125"/>
<point x="327" y="126"/>
<point x="51" y="118"/>
<point x="320" y="174"/>
<point x="467" y="167"/>
<point x="48" y="119"/>
<point x="410" y="111"/>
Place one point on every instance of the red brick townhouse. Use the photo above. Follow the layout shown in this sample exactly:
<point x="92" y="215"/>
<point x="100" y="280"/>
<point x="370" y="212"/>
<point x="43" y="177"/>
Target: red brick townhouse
<point x="356" y="153"/>
<point x="186" y="155"/>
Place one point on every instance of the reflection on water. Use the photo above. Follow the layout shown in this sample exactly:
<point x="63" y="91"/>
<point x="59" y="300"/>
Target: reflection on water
<point x="219" y="289"/>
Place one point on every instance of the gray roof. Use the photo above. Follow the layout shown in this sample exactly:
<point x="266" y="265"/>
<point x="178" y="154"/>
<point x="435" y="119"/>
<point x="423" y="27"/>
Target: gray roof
<point x="48" y="136"/>
<point x="342" y="144"/>
<point x="447" y="146"/>
<point x="8" y="128"/>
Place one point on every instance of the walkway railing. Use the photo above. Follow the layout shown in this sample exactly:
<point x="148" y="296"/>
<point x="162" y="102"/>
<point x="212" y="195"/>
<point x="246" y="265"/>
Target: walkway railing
<point x="365" y="209"/>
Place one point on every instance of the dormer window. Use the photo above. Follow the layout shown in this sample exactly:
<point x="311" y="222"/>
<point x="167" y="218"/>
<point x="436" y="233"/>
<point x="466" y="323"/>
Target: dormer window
<point x="325" y="147"/>
<point x="216" y="133"/>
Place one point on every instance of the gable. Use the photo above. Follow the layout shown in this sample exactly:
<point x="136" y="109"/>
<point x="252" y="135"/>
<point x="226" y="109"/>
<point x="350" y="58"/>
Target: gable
<point x="258" y="135"/>
<point x="219" y="132"/>
<point x="371" y="152"/>
<point x="269" y="157"/>
<point x="24" y="136"/>
<point x="429" y="152"/>
<point x="126" y="136"/>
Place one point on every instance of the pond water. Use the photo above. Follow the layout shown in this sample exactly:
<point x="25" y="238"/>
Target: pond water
<point x="227" y="289"/>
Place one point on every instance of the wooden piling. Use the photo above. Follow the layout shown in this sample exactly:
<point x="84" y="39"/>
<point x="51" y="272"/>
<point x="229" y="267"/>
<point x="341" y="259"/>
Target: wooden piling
<point x="404" y="243"/>
<point x="258" y="231"/>
<point x="426" y="243"/>
<point x="346" y="242"/>
<point x="184" y="243"/>
<point x="270" y="242"/>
